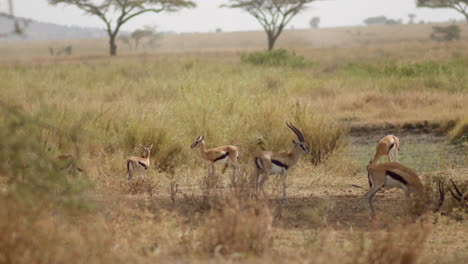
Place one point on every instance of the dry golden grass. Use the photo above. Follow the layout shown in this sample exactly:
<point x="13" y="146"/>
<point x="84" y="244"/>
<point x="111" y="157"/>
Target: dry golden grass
<point x="99" y="109"/>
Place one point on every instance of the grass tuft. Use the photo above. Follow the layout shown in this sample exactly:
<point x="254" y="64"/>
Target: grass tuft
<point x="277" y="57"/>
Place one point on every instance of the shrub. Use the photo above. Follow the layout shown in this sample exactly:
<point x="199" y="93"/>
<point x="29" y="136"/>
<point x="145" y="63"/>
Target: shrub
<point x="238" y="227"/>
<point x="459" y="133"/>
<point x="401" y="244"/>
<point x="32" y="173"/>
<point x="279" y="57"/>
<point x="443" y="34"/>
<point x="323" y="136"/>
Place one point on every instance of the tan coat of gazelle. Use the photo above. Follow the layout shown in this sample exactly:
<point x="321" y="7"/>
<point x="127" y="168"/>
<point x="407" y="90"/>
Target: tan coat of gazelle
<point x="69" y="162"/>
<point x="270" y="163"/>
<point x="394" y="174"/>
<point x="227" y="155"/>
<point x="139" y="163"/>
<point x="387" y="146"/>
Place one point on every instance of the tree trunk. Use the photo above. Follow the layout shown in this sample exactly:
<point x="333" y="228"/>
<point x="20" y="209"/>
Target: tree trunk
<point x="112" y="46"/>
<point x="271" y="41"/>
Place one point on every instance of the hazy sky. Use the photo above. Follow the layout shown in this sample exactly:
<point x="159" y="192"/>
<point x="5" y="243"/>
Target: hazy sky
<point x="208" y="16"/>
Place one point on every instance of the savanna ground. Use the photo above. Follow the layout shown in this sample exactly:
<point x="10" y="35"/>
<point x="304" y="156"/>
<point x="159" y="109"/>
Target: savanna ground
<point x="100" y="109"/>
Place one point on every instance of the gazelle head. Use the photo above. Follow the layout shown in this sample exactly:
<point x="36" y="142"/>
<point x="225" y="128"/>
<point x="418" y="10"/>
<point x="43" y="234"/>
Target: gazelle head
<point x="196" y="143"/>
<point x="146" y="150"/>
<point x="300" y="145"/>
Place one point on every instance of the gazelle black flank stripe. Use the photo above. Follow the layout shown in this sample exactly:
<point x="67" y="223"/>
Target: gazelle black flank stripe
<point x="222" y="156"/>
<point x="143" y="165"/>
<point x="279" y="163"/>
<point x="397" y="177"/>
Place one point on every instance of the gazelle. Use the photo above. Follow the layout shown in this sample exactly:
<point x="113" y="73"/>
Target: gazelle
<point x="139" y="163"/>
<point x="69" y="163"/>
<point x="389" y="146"/>
<point x="269" y="163"/>
<point x="394" y="174"/>
<point x="227" y="155"/>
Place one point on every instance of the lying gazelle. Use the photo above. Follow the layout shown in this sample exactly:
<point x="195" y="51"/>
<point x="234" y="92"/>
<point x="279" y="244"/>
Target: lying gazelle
<point x="389" y="146"/>
<point x="227" y="155"/>
<point x="269" y="163"/>
<point x="394" y="174"/>
<point x="458" y="195"/>
<point x="139" y="163"/>
<point x="69" y="163"/>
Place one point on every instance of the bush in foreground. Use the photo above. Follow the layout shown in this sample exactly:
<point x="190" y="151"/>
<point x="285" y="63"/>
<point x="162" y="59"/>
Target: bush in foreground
<point x="280" y="57"/>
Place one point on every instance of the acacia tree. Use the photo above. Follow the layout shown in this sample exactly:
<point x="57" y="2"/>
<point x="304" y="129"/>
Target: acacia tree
<point x="459" y="5"/>
<point x="18" y="25"/>
<point x="273" y="15"/>
<point x="123" y="10"/>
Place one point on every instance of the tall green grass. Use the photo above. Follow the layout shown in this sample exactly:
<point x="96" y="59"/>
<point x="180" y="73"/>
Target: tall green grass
<point x="450" y="75"/>
<point x="120" y="106"/>
<point x="114" y="106"/>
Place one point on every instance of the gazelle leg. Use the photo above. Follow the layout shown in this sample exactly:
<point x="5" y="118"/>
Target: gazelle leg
<point x="257" y="175"/>
<point x="393" y="154"/>
<point x="284" y="173"/>
<point x="406" y="191"/>
<point x="262" y="182"/>
<point x="369" y="195"/>
<point x="129" y="171"/>
<point x="210" y="169"/>
<point x="235" y="168"/>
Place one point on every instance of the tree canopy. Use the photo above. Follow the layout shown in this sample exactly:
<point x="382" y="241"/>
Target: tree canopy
<point x="460" y="6"/>
<point x="115" y="13"/>
<point x="273" y="15"/>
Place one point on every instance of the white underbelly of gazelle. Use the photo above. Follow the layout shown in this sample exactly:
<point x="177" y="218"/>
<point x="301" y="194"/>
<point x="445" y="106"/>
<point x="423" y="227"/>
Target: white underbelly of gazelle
<point x="275" y="169"/>
<point x="390" y="182"/>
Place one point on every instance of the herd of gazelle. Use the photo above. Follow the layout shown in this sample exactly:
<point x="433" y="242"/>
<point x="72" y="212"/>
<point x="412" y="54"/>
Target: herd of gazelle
<point x="388" y="174"/>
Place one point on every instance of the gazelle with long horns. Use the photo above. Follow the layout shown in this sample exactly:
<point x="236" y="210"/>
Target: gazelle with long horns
<point x="270" y="163"/>
<point x="227" y="155"/>
<point x="139" y="163"/>
<point x="387" y="146"/>
<point x="394" y="174"/>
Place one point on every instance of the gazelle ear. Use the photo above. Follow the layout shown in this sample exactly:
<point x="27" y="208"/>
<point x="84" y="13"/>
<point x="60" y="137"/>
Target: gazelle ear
<point x="141" y="146"/>
<point x="202" y="137"/>
<point x="151" y="146"/>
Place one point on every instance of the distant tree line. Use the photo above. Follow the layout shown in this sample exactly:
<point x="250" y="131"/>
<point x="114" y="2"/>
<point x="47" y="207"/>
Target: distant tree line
<point x="382" y="20"/>
<point x="273" y="15"/>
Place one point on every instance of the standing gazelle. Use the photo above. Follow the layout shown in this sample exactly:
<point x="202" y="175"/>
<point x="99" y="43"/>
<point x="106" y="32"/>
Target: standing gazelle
<point x="139" y="163"/>
<point x="226" y="155"/>
<point x="269" y="163"/>
<point x="394" y="174"/>
<point x="388" y="145"/>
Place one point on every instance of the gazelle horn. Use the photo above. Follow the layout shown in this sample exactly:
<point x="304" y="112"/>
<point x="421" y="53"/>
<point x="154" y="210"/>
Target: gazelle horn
<point x="296" y="131"/>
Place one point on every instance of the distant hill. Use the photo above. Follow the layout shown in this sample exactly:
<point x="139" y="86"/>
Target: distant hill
<point x="47" y="31"/>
